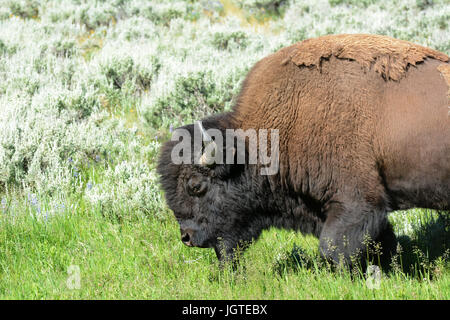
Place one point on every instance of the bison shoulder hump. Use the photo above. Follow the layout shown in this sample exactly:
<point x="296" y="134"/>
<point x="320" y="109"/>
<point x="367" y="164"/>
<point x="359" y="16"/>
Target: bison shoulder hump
<point x="387" y="56"/>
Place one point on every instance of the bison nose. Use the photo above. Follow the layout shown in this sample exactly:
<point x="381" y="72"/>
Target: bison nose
<point x="186" y="237"/>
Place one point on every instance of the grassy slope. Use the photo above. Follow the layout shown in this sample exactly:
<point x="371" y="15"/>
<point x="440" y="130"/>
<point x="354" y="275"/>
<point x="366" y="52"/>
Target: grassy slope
<point x="142" y="258"/>
<point x="98" y="205"/>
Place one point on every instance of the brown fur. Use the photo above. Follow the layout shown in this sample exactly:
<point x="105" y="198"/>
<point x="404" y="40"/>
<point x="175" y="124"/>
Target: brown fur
<point x="336" y="123"/>
<point x="387" y="56"/>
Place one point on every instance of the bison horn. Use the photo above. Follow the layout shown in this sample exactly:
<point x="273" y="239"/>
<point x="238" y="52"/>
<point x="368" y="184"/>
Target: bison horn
<point x="210" y="147"/>
<point x="205" y="136"/>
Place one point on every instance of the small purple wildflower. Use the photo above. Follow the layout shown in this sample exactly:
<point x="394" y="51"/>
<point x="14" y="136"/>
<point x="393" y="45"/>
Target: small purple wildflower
<point x="89" y="185"/>
<point x="171" y="128"/>
<point x="70" y="159"/>
<point x="156" y="138"/>
<point x="97" y="158"/>
<point x="34" y="200"/>
<point x="4" y="203"/>
<point x="59" y="207"/>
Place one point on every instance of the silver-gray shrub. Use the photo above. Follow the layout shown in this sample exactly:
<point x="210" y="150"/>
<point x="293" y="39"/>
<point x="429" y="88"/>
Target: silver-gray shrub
<point x="95" y="85"/>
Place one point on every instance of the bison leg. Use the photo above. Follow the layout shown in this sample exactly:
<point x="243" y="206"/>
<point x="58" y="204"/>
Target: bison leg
<point x="350" y="230"/>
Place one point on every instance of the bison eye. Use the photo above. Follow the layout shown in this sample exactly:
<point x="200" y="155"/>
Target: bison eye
<point x="196" y="186"/>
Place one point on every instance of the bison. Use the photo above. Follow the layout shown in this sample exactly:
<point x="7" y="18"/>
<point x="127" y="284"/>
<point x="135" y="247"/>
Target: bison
<point x="363" y="128"/>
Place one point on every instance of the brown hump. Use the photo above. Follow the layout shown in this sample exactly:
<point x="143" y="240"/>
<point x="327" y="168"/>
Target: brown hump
<point x="387" y="56"/>
<point x="444" y="69"/>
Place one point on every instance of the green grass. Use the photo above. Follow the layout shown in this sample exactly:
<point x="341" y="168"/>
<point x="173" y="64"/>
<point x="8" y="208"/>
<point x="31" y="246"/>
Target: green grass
<point x="142" y="257"/>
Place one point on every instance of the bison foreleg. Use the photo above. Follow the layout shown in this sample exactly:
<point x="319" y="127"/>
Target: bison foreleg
<point x="356" y="235"/>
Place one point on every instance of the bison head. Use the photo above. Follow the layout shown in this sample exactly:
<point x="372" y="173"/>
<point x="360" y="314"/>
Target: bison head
<point x="216" y="205"/>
